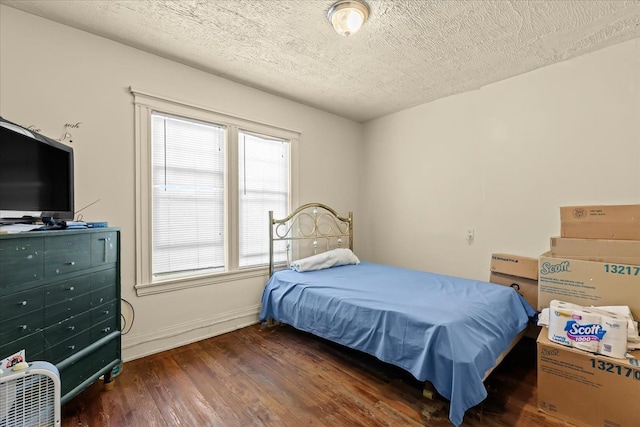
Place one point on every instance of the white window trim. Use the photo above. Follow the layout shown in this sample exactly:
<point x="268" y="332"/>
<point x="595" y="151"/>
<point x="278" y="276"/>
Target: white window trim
<point x="145" y="103"/>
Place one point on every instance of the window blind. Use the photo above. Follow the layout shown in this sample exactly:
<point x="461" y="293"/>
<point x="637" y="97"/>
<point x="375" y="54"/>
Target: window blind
<point x="188" y="178"/>
<point x="263" y="184"/>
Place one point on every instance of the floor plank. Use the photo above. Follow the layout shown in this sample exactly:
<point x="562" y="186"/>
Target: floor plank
<point x="283" y="377"/>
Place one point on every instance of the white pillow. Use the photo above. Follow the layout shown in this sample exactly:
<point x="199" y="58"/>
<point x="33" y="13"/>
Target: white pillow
<point x="332" y="258"/>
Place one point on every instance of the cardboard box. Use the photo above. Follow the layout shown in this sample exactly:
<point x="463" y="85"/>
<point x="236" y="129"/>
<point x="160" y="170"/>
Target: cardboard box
<point x="601" y="214"/>
<point x="515" y="265"/>
<point x="528" y="288"/>
<point x="620" y="251"/>
<point x="615" y="222"/>
<point x="588" y="283"/>
<point x="587" y="389"/>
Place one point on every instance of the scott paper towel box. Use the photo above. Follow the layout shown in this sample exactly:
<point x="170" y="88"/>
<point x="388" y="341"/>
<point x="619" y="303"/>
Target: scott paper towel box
<point x="588" y="283"/>
<point x="587" y="389"/>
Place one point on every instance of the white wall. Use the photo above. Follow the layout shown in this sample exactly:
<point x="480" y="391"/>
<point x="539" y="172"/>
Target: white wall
<point x="51" y="74"/>
<point x="501" y="161"/>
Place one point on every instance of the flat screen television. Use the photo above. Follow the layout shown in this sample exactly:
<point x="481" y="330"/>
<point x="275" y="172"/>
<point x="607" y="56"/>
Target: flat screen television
<point x="36" y="175"/>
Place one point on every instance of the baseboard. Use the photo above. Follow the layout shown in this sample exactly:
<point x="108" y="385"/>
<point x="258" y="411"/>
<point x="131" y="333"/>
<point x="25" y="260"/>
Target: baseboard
<point x="141" y="345"/>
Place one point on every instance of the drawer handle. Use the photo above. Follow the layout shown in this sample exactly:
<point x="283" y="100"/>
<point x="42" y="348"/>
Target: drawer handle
<point x="105" y="330"/>
<point x="22" y="303"/>
<point x="106" y="312"/>
<point x="71" y="263"/>
<point x="105" y="240"/>
<point x="71" y="328"/>
<point x="72" y="347"/>
<point x="23" y="327"/>
<point x="72" y="288"/>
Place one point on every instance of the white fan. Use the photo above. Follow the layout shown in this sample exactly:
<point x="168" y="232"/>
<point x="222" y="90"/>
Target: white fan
<point x="30" y="397"/>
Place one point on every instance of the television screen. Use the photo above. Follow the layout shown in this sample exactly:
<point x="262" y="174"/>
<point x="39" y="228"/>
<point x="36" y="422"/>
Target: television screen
<point x="36" y="173"/>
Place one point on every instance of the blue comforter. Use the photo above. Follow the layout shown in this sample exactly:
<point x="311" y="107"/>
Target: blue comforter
<point x="442" y="329"/>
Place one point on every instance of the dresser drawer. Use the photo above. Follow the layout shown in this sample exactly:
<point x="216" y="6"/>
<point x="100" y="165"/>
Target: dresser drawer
<point x="103" y="312"/>
<point x="65" y="290"/>
<point x="21" y="261"/>
<point x="59" y="352"/>
<point x="66" y="254"/>
<point x="104" y="248"/>
<point x="102" y="295"/>
<point x="68" y="328"/>
<point x="103" y="329"/>
<point x="32" y="344"/>
<point x="20" y="303"/>
<point x="70" y="307"/>
<point x="104" y="286"/>
<point x="20" y="327"/>
<point x="104" y="278"/>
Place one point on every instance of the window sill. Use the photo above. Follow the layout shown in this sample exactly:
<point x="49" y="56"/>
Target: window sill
<point x="171" y="285"/>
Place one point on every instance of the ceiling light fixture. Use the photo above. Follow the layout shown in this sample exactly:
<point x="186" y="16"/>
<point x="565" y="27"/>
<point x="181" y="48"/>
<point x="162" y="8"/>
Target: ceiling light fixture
<point x="348" y="16"/>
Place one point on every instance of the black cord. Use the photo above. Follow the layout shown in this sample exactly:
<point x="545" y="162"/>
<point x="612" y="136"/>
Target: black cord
<point x="126" y="330"/>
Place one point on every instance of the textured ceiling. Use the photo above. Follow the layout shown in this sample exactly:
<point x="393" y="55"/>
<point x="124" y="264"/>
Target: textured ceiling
<point x="408" y="52"/>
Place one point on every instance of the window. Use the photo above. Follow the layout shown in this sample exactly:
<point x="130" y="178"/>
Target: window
<point x="263" y="187"/>
<point x="188" y="196"/>
<point x="205" y="182"/>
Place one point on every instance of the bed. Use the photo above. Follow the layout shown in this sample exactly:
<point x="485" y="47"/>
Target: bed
<point x="447" y="331"/>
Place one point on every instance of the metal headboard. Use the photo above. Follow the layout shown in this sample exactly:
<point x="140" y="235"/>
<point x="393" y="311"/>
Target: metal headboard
<point x="313" y="222"/>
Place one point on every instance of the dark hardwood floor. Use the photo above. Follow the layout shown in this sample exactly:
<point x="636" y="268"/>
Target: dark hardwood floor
<point x="283" y="377"/>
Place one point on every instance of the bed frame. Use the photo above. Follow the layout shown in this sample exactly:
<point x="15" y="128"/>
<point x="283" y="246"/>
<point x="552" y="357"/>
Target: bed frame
<point x="310" y="229"/>
<point x="314" y="228"/>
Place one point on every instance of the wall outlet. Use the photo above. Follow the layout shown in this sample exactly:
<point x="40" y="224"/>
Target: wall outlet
<point x="471" y="235"/>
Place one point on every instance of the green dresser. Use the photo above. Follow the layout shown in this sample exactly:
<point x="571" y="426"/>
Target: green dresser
<point x="60" y="301"/>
